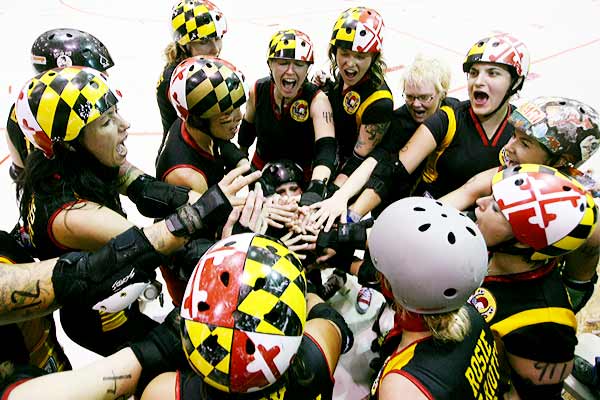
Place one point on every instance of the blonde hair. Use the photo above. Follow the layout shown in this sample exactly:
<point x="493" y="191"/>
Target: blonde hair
<point x="428" y="70"/>
<point x="175" y="53"/>
<point x="452" y="326"/>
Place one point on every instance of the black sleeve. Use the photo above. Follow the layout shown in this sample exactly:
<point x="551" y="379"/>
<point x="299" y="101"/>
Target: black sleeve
<point x="12" y="250"/>
<point x="310" y="371"/>
<point x="231" y="154"/>
<point x="168" y="115"/>
<point x="379" y="111"/>
<point x="438" y="125"/>
<point x="547" y="342"/>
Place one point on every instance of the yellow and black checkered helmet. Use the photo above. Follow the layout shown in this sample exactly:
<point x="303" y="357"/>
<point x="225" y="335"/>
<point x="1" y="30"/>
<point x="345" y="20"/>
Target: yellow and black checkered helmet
<point x="547" y="210"/>
<point x="57" y="104"/>
<point x="291" y="44"/>
<point x="197" y="20"/>
<point x="358" y="29"/>
<point x="243" y="313"/>
<point x="206" y="86"/>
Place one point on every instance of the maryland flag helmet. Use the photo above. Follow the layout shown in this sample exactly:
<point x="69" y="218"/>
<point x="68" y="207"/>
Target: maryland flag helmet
<point x="565" y="127"/>
<point x="243" y="313"/>
<point x="56" y="105"/>
<point x="358" y="29"/>
<point x="206" y="86"/>
<point x="500" y="49"/>
<point x="197" y="20"/>
<point x="547" y="210"/>
<point x="291" y="44"/>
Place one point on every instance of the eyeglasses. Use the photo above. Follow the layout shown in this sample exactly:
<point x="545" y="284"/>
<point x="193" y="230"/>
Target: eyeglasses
<point x="423" y="99"/>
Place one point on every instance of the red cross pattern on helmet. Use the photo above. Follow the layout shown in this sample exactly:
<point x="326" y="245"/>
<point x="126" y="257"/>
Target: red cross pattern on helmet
<point x="541" y="208"/>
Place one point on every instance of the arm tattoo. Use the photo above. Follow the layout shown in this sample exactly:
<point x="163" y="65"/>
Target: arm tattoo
<point x="114" y="378"/>
<point x="328" y="116"/>
<point x="20" y="297"/>
<point x="375" y="132"/>
<point x="26" y="292"/>
<point x="551" y="371"/>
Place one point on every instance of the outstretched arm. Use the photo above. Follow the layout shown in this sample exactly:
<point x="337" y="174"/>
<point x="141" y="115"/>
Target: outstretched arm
<point x="465" y="196"/>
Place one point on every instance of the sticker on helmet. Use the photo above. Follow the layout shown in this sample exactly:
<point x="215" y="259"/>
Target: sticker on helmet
<point x="299" y="110"/>
<point x="64" y="61"/>
<point x="38" y="60"/>
<point x="351" y="102"/>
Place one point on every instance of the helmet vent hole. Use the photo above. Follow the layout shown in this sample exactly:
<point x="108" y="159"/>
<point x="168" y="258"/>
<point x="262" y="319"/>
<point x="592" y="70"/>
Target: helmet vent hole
<point x="582" y="207"/>
<point x="191" y="68"/>
<point x="286" y="42"/>
<point x="363" y="33"/>
<point x="581" y="110"/>
<point x="450" y="292"/>
<point x="348" y="30"/>
<point x="209" y="65"/>
<point x="69" y="35"/>
<point x="260" y="283"/>
<point x="250" y="348"/>
<point x="566" y="188"/>
<point x="517" y="168"/>
<point x="272" y="249"/>
<point x="30" y="85"/>
<point x="419" y="209"/>
<point x="519" y="182"/>
<point x="471" y="231"/>
<point x="439" y="203"/>
<point x="94" y="85"/>
<point x="369" y="12"/>
<point x="203" y="306"/>
<point x="451" y="238"/>
<point x="229" y="243"/>
<point x="480" y="44"/>
<point x="218" y="17"/>
<point x="225" y="278"/>
<point x="496" y="44"/>
<point x="303" y="43"/>
<point x="444" y="215"/>
<point x="424" y="227"/>
<point x="51" y="73"/>
<point x="51" y="37"/>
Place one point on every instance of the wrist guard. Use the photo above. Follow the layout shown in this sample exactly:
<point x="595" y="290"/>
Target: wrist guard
<point x="580" y="292"/>
<point x="121" y="268"/>
<point x="210" y="211"/>
<point x="351" y="235"/>
<point x="154" y="198"/>
<point x="325" y="311"/>
<point x="314" y="193"/>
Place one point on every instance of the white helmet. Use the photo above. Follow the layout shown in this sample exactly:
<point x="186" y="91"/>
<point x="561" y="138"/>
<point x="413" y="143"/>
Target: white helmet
<point x="433" y="256"/>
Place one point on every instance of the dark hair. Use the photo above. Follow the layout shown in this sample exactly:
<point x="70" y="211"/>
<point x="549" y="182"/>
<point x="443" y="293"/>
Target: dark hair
<point x="72" y="170"/>
<point x="376" y="70"/>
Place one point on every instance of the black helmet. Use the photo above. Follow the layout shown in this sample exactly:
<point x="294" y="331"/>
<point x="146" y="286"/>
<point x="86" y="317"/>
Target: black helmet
<point x="277" y="173"/>
<point x="69" y="47"/>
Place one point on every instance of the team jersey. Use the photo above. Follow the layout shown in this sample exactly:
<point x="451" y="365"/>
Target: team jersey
<point x="312" y="378"/>
<point x="361" y="104"/>
<point x="99" y="331"/>
<point x="181" y="151"/>
<point x="531" y="312"/>
<point x="450" y="370"/>
<point x="33" y="341"/>
<point x="16" y="136"/>
<point x="470" y="151"/>
<point x="288" y="134"/>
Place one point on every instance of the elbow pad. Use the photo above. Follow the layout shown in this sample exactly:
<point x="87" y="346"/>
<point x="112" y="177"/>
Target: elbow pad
<point x="154" y="198"/>
<point x="325" y="152"/>
<point x="325" y="311"/>
<point x="352" y="164"/>
<point x="246" y="134"/>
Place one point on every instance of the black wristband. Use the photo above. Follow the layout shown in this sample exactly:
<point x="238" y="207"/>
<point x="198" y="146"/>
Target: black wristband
<point x="154" y="198"/>
<point x="314" y="192"/>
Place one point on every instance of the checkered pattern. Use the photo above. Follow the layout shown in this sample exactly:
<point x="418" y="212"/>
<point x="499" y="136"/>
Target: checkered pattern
<point x="549" y="211"/>
<point x="206" y="86"/>
<point x="291" y="44"/>
<point x="272" y="293"/>
<point x="208" y="349"/>
<point x="193" y="20"/>
<point x="358" y="29"/>
<point x="499" y="49"/>
<point x="57" y="104"/>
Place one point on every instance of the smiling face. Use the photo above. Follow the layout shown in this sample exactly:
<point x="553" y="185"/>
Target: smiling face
<point x="487" y="84"/>
<point x="491" y="222"/>
<point x="352" y="65"/>
<point x="205" y="47"/>
<point x="422" y="99"/>
<point x="523" y="149"/>
<point x="226" y="125"/>
<point x="105" y="137"/>
<point x="288" y="75"/>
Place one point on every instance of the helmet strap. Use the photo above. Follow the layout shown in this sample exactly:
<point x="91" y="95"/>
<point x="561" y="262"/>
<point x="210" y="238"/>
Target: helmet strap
<point x="515" y="86"/>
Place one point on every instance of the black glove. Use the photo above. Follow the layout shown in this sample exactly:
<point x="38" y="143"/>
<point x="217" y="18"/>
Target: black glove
<point x="314" y="193"/>
<point x="350" y="236"/>
<point x="87" y="278"/>
<point x="184" y="260"/>
<point x="207" y="214"/>
<point x="161" y="350"/>
<point x="154" y="198"/>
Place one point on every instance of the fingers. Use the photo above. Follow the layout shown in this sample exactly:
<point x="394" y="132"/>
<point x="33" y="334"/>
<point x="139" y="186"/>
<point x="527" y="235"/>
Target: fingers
<point x="248" y="208"/>
<point x="255" y="220"/>
<point x="234" y="215"/>
<point x="233" y="182"/>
